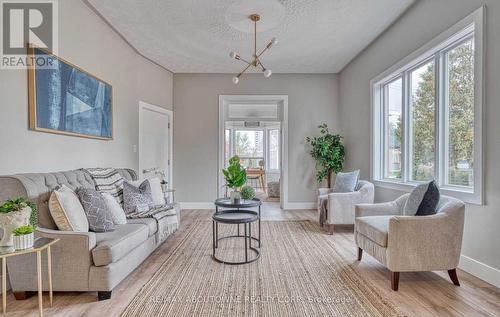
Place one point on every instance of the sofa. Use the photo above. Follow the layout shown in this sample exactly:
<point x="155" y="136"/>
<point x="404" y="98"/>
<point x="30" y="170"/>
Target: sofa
<point x="340" y="206"/>
<point x="81" y="261"/>
<point x="408" y="243"/>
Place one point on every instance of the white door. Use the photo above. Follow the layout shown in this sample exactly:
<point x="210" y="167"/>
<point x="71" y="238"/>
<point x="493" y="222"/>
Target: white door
<point x="155" y="141"/>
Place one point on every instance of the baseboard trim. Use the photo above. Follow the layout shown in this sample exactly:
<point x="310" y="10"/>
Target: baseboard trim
<point x="478" y="269"/>
<point x="300" y="205"/>
<point x="197" y="205"/>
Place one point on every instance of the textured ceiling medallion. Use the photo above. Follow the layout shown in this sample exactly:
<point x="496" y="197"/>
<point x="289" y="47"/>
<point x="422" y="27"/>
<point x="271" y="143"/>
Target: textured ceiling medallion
<point x="255" y="62"/>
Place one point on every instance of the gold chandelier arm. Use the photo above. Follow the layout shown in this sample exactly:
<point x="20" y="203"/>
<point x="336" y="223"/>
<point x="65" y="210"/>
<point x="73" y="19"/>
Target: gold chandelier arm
<point x="261" y="65"/>
<point x="245" y="61"/>
<point x="255" y="38"/>
<point x="244" y="70"/>
<point x="268" y="46"/>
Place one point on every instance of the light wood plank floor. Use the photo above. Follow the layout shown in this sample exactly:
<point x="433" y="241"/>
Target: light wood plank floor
<point x="420" y="294"/>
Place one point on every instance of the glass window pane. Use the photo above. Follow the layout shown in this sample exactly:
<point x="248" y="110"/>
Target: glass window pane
<point x="393" y="94"/>
<point x="274" y="149"/>
<point x="460" y="114"/>
<point x="227" y="146"/>
<point x="249" y="145"/>
<point x="422" y="122"/>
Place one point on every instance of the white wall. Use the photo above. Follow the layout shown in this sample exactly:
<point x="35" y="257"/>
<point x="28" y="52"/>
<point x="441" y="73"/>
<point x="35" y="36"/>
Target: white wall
<point x="425" y="20"/>
<point x="87" y="41"/>
<point x="312" y="99"/>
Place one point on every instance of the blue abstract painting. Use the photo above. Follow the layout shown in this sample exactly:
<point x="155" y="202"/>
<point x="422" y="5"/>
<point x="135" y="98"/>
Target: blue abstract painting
<point x="69" y="100"/>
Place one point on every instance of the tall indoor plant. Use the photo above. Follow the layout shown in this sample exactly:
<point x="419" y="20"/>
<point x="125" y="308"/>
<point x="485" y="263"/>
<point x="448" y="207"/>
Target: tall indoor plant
<point x="235" y="176"/>
<point x="328" y="151"/>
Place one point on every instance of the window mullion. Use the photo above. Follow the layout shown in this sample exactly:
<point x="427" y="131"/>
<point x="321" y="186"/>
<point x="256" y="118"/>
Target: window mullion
<point x="438" y="148"/>
<point x="406" y="128"/>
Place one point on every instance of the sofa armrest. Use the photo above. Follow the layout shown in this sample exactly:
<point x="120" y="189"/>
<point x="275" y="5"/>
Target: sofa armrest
<point x="82" y="240"/>
<point x="71" y="262"/>
<point x="424" y="243"/>
<point x="380" y="209"/>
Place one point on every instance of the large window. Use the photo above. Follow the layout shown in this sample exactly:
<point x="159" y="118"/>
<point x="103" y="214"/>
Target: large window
<point x="427" y="116"/>
<point x="249" y="146"/>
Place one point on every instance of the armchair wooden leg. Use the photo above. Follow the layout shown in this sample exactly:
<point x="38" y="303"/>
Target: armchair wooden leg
<point x="453" y="276"/>
<point x="360" y="254"/>
<point x="395" y="281"/>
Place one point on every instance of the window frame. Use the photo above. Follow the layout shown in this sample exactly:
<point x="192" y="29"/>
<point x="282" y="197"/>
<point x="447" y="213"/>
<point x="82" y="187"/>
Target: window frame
<point x="471" y="26"/>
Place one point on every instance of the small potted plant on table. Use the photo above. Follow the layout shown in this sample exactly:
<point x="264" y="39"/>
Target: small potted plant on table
<point x="24" y="237"/>
<point x="235" y="176"/>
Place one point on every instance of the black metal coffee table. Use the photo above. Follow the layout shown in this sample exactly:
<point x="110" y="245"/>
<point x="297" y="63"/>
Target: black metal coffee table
<point x="237" y="214"/>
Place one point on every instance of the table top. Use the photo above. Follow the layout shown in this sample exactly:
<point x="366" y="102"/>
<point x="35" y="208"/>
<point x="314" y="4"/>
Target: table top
<point x="39" y="245"/>
<point x="232" y="216"/>
<point x="226" y="202"/>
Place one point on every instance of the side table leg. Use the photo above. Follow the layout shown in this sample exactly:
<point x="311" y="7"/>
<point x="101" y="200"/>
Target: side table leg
<point x="216" y="234"/>
<point x="49" y="271"/>
<point x="259" y="227"/>
<point x="39" y="273"/>
<point x="4" y="285"/>
<point x="213" y="237"/>
<point x="246" y="248"/>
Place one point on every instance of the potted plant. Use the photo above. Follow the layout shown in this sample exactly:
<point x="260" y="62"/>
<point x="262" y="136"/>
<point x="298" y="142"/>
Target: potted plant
<point x="23" y="237"/>
<point x="15" y="213"/>
<point x="235" y="176"/>
<point x="247" y="192"/>
<point x="328" y="151"/>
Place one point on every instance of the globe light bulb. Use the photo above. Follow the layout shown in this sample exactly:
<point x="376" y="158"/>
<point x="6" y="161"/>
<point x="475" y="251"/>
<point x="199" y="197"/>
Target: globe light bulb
<point x="267" y="73"/>
<point x="236" y="80"/>
<point x="232" y="55"/>
<point x="274" y="41"/>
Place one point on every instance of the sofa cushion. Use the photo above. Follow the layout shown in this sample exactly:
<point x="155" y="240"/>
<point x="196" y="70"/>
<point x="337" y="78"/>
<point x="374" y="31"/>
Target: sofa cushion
<point x="374" y="228"/>
<point x="114" y="245"/>
<point x="151" y="223"/>
<point x="67" y="211"/>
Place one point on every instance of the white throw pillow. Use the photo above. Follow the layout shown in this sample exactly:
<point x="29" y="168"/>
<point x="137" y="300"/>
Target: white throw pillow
<point x="115" y="210"/>
<point x="156" y="190"/>
<point x="67" y="211"/>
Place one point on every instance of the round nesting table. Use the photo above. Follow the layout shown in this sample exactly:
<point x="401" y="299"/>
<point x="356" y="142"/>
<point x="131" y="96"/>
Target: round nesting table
<point x="237" y="214"/>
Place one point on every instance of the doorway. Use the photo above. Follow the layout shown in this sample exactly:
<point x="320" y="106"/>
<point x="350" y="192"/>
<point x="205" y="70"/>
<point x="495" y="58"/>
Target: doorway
<point x="155" y="142"/>
<point x="255" y="127"/>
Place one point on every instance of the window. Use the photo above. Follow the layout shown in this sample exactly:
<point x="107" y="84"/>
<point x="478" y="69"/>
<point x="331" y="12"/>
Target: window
<point x="427" y="115"/>
<point x="249" y="146"/>
<point x="274" y="149"/>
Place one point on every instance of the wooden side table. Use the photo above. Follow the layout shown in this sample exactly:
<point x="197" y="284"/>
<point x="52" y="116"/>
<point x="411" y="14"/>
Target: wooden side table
<point x="39" y="245"/>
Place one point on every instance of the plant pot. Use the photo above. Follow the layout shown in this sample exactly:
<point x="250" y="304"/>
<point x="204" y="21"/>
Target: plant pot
<point x="24" y="241"/>
<point x="235" y="197"/>
<point x="10" y="221"/>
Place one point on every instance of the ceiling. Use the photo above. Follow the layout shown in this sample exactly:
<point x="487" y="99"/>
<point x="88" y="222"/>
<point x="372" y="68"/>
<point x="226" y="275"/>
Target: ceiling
<point x="196" y="36"/>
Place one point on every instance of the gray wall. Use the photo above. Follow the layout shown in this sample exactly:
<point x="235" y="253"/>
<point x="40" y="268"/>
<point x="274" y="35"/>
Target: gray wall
<point x="312" y="99"/>
<point x="425" y="20"/>
<point x="87" y="41"/>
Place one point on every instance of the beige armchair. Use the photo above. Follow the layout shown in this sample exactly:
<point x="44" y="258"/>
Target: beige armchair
<point x="340" y="206"/>
<point x="411" y="243"/>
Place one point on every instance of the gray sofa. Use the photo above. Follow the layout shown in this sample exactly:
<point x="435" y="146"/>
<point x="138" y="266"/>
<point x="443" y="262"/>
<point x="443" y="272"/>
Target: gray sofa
<point x="81" y="261"/>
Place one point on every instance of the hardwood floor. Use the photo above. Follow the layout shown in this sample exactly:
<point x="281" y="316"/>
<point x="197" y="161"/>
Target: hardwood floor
<point x="420" y="294"/>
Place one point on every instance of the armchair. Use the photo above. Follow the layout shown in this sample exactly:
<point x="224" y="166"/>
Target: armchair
<point x="340" y="206"/>
<point x="411" y="243"/>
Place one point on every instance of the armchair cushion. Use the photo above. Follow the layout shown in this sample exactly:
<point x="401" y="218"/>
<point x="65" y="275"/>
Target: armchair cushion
<point x="423" y="200"/>
<point x="375" y="228"/>
<point x="346" y="182"/>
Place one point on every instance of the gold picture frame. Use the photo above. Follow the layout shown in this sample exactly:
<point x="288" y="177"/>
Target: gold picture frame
<point x="32" y="97"/>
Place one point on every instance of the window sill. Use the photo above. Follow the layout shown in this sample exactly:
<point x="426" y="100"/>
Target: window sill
<point x="463" y="194"/>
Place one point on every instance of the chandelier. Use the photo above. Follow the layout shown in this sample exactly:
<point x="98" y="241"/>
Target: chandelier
<point x="256" y="57"/>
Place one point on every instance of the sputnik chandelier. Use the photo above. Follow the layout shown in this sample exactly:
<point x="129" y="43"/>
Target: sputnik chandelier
<point x="256" y="57"/>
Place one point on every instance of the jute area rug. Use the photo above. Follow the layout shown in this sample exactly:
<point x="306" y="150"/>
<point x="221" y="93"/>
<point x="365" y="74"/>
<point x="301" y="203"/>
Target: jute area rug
<point x="299" y="273"/>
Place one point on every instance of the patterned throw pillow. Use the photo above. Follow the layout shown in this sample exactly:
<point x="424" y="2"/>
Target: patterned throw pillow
<point x="96" y="210"/>
<point x="137" y="198"/>
<point x="346" y="182"/>
<point x="423" y="200"/>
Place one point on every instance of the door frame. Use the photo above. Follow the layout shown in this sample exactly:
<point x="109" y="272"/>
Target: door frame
<point x="147" y="106"/>
<point x="224" y="101"/>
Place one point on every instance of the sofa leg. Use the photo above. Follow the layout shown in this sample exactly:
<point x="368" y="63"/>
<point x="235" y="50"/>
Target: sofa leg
<point x="360" y="254"/>
<point x="395" y="281"/>
<point x="453" y="276"/>
<point x="104" y="295"/>
<point x="23" y="295"/>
